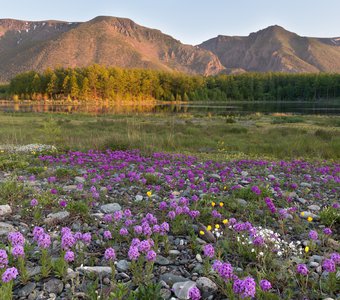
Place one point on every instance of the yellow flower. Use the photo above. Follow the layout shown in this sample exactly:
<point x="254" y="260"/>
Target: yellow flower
<point x="225" y="188"/>
<point x="209" y="227"/>
<point x="201" y="232"/>
<point x="149" y="193"/>
<point x="307" y="249"/>
<point x="45" y="168"/>
<point x="217" y="226"/>
<point x="221" y="204"/>
<point x="309" y="219"/>
<point x="225" y="221"/>
<point x="213" y="204"/>
<point x="302" y="214"/>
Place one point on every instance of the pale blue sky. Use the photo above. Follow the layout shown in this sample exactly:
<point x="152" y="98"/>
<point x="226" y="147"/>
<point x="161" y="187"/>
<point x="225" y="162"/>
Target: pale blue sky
<point x="192" y="21"/>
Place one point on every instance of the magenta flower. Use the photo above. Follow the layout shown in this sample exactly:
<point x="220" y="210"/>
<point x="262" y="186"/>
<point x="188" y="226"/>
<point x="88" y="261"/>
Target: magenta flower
<point x="110" y="254"/>
<point x="9" y="274"/>
<point x="87" y="238"/>
<point x="151" y="255"/>
<point x="38" y="232"/>
<point x="63" y="203"/>
<point x="335" y="257"/>
<point x="265" y="285"/>
<point x="16" y="238"/>
<point x="44" y="241"/>
<point x="327" y="231"/>
<point x="69" y="256"/>
<point x="329" y="265"/>
<point x="302" y="269"/>
<point x="54" y="191"/>
<point x="3" y="259"/>
<point x="133" y="253"/>
<point x="209" y="251"/>
<point x="194" y="293"/>
<point x="123" y="231"/>
<point x="34" y="202"/>
<point x="107" y="235"/>
<point x="313" y="235"/>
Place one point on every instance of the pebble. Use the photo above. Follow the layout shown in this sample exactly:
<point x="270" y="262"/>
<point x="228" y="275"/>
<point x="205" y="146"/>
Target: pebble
<point x="314" y="207"/>
<point x="27" y="289"/>
<point x="161" y="260"/>
<point x="170" y="278"/>
<point x="199" y="257"/>
<point x="181" y="289"/>
<point x="54" y="285"/>
<point x="110" y="208"/>
<point x="138" y="198"/>
<point x="122" y="265"/>
<point x="207" y="285"/>
<point x="56" y="217"/>
<point x="99" y="270"/>
<point x="5" y="210"/>
<point x="6" y="228"/>
<point x="69" y="188"/>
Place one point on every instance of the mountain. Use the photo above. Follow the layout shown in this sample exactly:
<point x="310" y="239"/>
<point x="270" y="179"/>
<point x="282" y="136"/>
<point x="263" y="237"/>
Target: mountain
<point x="276" y="49"/>
<point x="103" y="40"/>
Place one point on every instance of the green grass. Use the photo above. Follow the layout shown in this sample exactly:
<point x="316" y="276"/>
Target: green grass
<point x="312" y="137"/>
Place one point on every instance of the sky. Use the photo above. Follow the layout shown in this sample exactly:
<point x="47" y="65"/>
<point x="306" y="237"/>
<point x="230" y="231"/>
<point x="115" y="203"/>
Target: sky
<point x="191" y="21"/>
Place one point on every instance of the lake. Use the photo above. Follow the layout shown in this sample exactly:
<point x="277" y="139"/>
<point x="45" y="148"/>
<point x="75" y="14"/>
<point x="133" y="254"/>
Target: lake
<point x="221" y="108"/>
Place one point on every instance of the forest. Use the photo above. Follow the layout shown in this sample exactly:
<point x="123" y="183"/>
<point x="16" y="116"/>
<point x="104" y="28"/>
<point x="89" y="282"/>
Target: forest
<point x="110" y="83"/>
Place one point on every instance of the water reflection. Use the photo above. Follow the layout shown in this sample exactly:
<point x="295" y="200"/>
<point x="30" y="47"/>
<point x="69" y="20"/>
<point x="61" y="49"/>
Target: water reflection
<point x="320" y="107"/>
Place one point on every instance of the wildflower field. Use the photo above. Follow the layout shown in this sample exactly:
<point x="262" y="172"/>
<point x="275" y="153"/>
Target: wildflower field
<point x="124" y="224"/>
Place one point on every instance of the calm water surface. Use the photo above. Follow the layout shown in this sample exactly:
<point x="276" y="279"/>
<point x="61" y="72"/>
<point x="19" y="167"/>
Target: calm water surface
<point x="319" y="107"/>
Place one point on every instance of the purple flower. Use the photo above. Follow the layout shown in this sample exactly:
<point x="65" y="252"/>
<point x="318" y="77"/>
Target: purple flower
<point x="313" y="235"/>
<point x="171" y="215"/>
<point x="63" y="203"/>
<point x="265" y="285"/>
<point x="54" y="191"/>
<point x="16" y="238"/>
<point x="110" y="254"/>
<point x="256" y="190"/>
<point x="216" y="214"/>
<point x="34" y="202"/>
<point x="270" y="205"/>
<point x="163" y="205"/>
<point x="135" y="242"/>
<point x="302" y="269"/>
<point x="127" y="213"/>
<point x="138" y="229"/>
<point x="108" y="218"/>
<point x="133" y="253"/>
<point x="18" y="251"/>
<point x="9" y="274"/>
<point x="194" y="293"/>
<point x="69" y="256"/>
<point x="209" y="251"/>
<point x="117" y="215"/>
<point x="246" y="287"/>
<point x="87" y="238"/>
<point x="123" y="231"/>
<point x="38" y="232"/>
<point x="335" y="257"/>
<point x="44" y="241"/>
<point x="329" y="265"/>
<point x="151" y="255"/>
<point x="144" y="246"/>
<point x="107" y="235"/>
<point x="67" y="241"/>
<point x="258" y="241"/>
<point x="327" y="231"/>
<point x="3" y="259"/>
<point x="225" y="270"/>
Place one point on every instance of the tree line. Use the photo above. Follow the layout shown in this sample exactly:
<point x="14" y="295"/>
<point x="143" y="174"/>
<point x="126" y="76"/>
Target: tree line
<point x="110" y="83"/>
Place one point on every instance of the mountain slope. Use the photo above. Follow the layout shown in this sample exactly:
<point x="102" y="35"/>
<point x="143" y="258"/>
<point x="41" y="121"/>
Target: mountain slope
<point x="276" y="49"/>
<point x="104" y="40"/>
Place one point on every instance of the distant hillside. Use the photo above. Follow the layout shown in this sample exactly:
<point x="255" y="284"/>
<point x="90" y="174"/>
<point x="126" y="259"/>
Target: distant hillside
<point x="276" y="49"/>
<point x="108" y="41"/>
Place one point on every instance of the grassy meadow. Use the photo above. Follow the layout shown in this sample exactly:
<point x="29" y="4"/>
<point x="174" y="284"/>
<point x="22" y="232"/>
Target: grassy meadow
<point x="275" y="136"/>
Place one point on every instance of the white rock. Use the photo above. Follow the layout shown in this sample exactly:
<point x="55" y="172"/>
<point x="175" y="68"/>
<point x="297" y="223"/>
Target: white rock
<point x="181" y="289"/>
<point x="110" y="208"/>
<point x="5" y="210"/>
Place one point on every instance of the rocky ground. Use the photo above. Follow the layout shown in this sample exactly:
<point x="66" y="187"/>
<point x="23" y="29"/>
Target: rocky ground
<point x="264" y="221"/>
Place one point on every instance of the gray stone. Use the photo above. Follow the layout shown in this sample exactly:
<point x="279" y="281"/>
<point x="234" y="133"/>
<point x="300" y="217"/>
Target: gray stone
<point x="306" y="184"/>
<point x="123" y="265"/>
<point x="6" y="228"/>
<point x="314" y="207"/>
<point x="174" y="252"/>
<point x="170" y="278"/>
<point x="139" y="198"/>
<point x="165" y="294"/>
<point x="317" y="258"/>
<point x="302" y="201"/>
<point x="99" y="270"/>
<point x="54" y="286"/>
<point x="242" y="202"/>
<point x="207" y="285"/>
<point x="69" y="188"/>
<point x="181" y="289"/>
<point x="215" y="176"/>
<point x="313" y="264"/>
<point x="5" y="210"/>
<point x="34" y="271"/>
<point x="161" y="260"/>
<point x="79" y="179"/>
<point x="57" y="217"/>
<point x="110" y="208"/>
<point x="71" y="274"/>
<point x="27" y="289"/>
